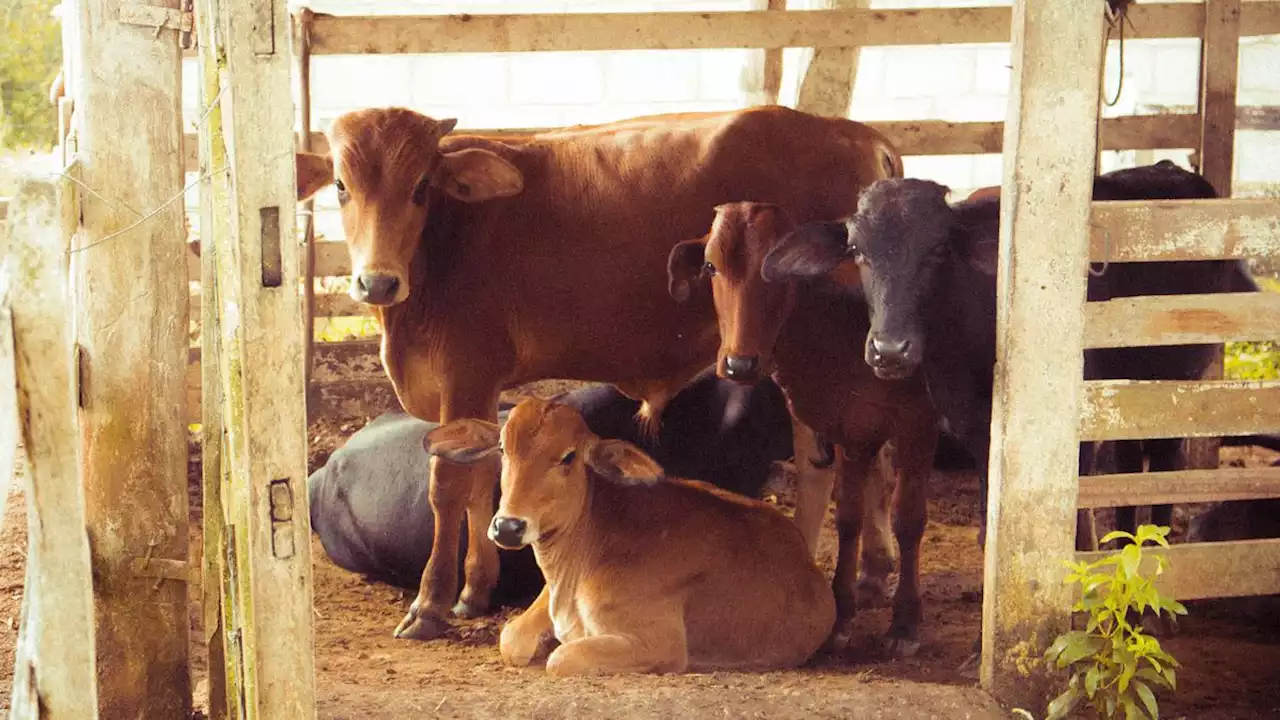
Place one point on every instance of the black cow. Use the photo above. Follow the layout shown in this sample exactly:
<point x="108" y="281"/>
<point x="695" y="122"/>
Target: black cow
<point x="369" y="501"/>
<point x="928" y="273"/>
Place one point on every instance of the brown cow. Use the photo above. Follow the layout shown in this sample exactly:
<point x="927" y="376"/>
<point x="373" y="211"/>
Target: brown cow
<point x="491" y="264"/>
<point x="644" y="573"/>
<point x="806" y="339"/>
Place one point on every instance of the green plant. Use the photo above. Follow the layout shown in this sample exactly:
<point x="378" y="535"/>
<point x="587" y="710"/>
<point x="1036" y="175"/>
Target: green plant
<point x="1114" y="665"/>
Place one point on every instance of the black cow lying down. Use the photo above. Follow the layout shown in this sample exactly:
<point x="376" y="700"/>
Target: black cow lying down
<point x="369" y="501"/>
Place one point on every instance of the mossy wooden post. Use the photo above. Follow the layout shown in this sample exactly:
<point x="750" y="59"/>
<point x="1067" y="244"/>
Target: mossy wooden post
<point x="129" y="275"/>
<point x="1049" y="141"/>
<point x="214" y="230"/>
<point x="1219" y="70"/>
<point x="267" y="606"/>
<point x="54" y="673"/>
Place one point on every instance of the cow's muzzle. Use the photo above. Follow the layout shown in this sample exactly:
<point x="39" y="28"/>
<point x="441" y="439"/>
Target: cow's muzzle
<point x="375" y="288"/>
<point x="742" y="368"/>
<point x="509" y="532"/>
<point x="892" y="358"/>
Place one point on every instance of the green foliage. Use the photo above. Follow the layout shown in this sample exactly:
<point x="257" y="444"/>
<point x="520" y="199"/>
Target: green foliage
<point x="1252" y="361"/>
<point x="1115" y="666"/>
<point x="30" y="57"/>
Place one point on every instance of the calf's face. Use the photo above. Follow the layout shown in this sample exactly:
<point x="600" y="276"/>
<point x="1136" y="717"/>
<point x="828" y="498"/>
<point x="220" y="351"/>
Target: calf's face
<point x="901" y="236"/>
<point x="385" y="163"/>
<point x="547" y="454"/>
<point x="749" y="309"/>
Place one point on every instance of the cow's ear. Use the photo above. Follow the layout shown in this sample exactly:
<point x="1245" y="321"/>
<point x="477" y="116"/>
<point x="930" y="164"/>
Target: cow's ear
<point x="981" y="253"/>
<point x="314" y="172"/>
<point x="463" y="441"/>
<point x="475" y="175"/>
<point x="620" y="461"/>
<point x="808" y="252"/>
<point x="684" y="268"/>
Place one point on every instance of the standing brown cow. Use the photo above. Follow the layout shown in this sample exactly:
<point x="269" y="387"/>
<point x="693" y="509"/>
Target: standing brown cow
<point x="492" y="264"/>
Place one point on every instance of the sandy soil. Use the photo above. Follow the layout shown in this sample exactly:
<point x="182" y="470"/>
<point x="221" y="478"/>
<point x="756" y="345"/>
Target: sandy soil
<point x="1231" y="659"/>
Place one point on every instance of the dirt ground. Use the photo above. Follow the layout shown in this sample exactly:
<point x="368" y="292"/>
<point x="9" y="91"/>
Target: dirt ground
<point x="1231" y="659"/>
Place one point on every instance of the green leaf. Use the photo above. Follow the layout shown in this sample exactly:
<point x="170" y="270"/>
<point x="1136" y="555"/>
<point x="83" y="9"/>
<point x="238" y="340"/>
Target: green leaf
<point x="1126" y="674"/>
<point x="1131" y="709"/>
<point x="1115" y="535"/>
<point x="1153" y="533"/>
<point x="1148" y="698"/>
<point x="1091" y="679"/>
<point x="1153" y="676"/>
<point x="1079" y="645"/>
<point x="1063" y="704"/>
<point x="1130" y="556"/>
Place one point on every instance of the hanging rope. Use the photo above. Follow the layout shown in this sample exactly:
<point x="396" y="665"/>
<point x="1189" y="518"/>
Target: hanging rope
<point x="1117" y="16"/>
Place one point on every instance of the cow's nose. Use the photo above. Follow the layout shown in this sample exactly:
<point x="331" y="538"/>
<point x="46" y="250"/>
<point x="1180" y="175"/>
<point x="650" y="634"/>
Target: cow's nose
<point x="891" y="349"/>
<point x="744" y="368"/>
<point x="508" y="532"/>
<point x="376" y="288"/>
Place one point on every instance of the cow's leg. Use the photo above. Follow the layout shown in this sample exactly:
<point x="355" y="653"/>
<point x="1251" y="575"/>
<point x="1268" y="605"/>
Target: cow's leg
<point x="813" y="484"/>
<point x="1165" y="455"/>
<point x="849" y="513"/>
<point x="529" y="636"/>
<point x="1128" y="459"/>
<point x="878" y="547"/>
<point x="914" y="445"/>
<point x="1086" y="524"/>
<point x="454" y="489"/>
<point x="661" y="649"/>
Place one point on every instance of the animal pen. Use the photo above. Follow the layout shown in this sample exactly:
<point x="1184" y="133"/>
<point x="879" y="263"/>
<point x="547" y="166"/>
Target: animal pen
<point x="107" y="383"/>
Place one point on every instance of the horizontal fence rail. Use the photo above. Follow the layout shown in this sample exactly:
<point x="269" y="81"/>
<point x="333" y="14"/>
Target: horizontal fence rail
<point x="561" y="32"/>
<point x="1150" y="321"/>
<point x="1155" y="230"/>
<point x="1240" y="568"/>
<point x="1138" y="409"/>
<point x="1178" y="486"/>
<point x="925" y="137"/>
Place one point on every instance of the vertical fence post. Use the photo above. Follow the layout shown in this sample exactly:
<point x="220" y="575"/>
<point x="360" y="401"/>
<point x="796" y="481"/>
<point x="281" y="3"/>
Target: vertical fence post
<point x="826" y="88"/>
<point x="268" y="599"/>
<point x="1049" y="156"/>
<point x="54" y="672"/>
<point x="130" y="282"/>
<point x="1219" y="61"/>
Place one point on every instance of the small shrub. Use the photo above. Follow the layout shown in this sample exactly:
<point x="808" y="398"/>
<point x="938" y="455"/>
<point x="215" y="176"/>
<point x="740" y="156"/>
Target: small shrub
<point x="1115" y="666"/>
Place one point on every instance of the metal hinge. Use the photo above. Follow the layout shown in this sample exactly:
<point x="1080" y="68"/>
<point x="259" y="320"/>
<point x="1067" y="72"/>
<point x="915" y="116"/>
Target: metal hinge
<point x="160" y="18"/>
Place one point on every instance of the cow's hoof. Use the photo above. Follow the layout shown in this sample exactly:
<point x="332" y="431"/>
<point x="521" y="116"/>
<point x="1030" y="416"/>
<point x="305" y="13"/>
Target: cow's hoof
<point x="840" y="638"/>
<point x="418" y="625"/>
<point x="899" y="646"/>
<point x="467" y="611"/>
<point x="872" y="592"/>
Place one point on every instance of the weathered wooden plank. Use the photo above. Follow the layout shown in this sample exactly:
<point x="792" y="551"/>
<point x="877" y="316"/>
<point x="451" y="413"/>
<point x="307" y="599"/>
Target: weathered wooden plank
<point x="1219" y="59"/>
<point x="938" y="137"/>
<point x="206" y="382"/>
<point x="827" y="85"/>
<point x="1134" y="409"/>
<point x="1182" y="320"/>
<point x="1240" y="568"/>
<point x="1152" y="230"/>
<point x="132" y="323"/>
<point x="302" y="41"/>
<point x="1180" y="486"/>
<point x="54" y="674"/>
<point x="9" y="432"/>
<point x="358" y="35"/>
<point x="270" y="634"/>
<point x="1050" y="143"/>
<point x="4" y="208"/>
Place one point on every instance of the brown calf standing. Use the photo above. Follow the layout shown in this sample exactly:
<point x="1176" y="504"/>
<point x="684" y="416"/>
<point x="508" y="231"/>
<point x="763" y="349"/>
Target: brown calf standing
<point x="644" y="573"/>
<point x="811" y="341"/>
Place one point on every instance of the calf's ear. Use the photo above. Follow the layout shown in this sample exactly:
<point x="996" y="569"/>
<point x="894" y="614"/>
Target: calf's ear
<point x="475" y="175"/>
<point x="810" y="251"/>
<point x="463" y="441"/>
<point x="620" y="461"/>
<point x="314" y="172"/>
<point x="684" y="268"/>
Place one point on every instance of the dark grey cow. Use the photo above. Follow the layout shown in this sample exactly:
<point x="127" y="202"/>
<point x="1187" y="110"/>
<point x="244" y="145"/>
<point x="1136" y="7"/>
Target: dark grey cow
<point x="928" y="273"/>
<point x="369" y="501"/>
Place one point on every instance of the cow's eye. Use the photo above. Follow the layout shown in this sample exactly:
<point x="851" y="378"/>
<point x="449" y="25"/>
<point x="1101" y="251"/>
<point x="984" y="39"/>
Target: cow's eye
<point x="343" y="195"/>
<point x="709" y="270"/>
<point x="568" y="458"/>
<point x="420" y="192"/>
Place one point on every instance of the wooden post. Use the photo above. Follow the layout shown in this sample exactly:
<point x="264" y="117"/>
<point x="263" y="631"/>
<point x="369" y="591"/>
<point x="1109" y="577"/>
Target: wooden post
<point x="827" y="86"/>
<point x="54" y="675"/>
<point x="267" y="608"/>
<point x="214" y="218"/>
<point x="9" y="431"/>
<point x="1049" y="142"/>
<point x="302" y="40"/>
<point x="1219" y="58"/>
<point x="762" y="74"/>
<point x="130" y="280"/>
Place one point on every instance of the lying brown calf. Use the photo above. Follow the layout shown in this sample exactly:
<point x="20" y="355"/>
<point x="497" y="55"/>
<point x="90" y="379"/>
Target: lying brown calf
<point x="644" y="573"/>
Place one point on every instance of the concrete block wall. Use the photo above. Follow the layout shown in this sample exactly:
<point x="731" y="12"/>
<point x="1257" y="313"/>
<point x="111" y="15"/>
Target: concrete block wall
<point x="956" y="83"/>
